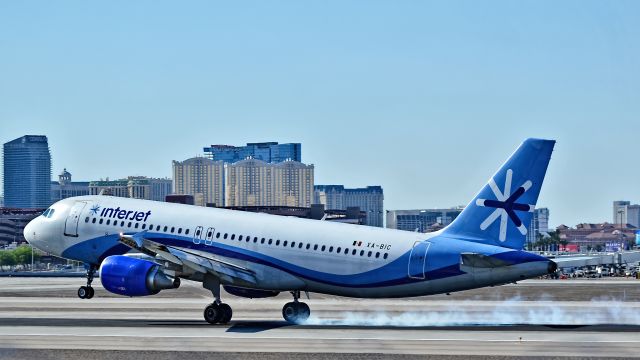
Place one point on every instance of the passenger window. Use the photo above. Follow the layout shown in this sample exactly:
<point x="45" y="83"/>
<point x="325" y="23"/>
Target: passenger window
<point x="338" y="251"/>
<point x="93" y="221"/>
<point x="225" y="236"/>
<point x="293" y="244"/>
<point x="115" y="222"/>
<point x="172" y="229"/>
<point x="284" y="243"/>
<point x="299" y="245"/>
<point x="218" y="235"/>
<point x="385" y="256"/>
<point x="323" y="247"/>
<point x="101" y="220"/>
<point x="270" y="241"/>
<point x="262" y="241"/>
<point x="136" y="226"/>
<point x="179" y="230"/>
<point x="353" y="252"/>
<point x="122" y="223"/>
<point x="186" y="232"/>
<point x="233" y="236"/>
<point x="346" y="251"/>
<point x="198" y="232"/>
<point x="369" y="254"/>
<point x="129" y="225"/>
<point x="86" y="219"/>
<point x="330" y="248"/>
<point x="377" y="255"/>
<point x="239" y="237"/>
<point x="255" y="239"/>
<point x="308" y="246"/>
<point x="277" y="242"/>
<point x="248" y="238"/>
<point x="361" y="252"/>
<point x="108" y="222"/>
<point x="165" y="229"/>
<point x="209" y="234"/>
<point x="315" y="247"/>
<point x="144" y="226"/>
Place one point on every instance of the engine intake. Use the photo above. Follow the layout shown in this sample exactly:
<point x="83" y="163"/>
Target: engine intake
<point x="127" y="276"/>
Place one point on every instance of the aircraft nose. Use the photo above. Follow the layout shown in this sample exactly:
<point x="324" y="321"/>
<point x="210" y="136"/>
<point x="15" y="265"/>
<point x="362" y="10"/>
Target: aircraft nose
<point x="30" y="232"/>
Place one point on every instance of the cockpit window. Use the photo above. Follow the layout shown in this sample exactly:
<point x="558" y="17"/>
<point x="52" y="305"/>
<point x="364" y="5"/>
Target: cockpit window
<point x="48" y="213"/>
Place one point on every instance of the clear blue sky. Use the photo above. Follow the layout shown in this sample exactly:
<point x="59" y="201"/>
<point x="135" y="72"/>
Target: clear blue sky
<point x="424" y="98"/>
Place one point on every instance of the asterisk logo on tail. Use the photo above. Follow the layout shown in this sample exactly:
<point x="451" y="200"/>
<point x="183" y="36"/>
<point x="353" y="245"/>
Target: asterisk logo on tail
<point x="506" y="206"/>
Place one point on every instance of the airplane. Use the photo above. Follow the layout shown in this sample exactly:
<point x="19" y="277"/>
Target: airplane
<point x="258" y="255"/>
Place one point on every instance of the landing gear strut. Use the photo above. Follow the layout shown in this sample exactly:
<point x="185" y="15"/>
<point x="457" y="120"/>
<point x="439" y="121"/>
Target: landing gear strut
<point x="296" y="312"/>
<point x="216" y="312"/>
<point x="87" y="292"/>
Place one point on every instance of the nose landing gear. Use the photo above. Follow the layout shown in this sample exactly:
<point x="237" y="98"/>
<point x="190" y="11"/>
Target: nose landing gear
<point x="87" y="292"/>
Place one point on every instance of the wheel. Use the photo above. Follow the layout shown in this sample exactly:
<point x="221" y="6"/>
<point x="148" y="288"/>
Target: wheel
<point x="83" y="292"/>
<point x="90" y="293"/>
<point x="303" y="312"/>
<point x="295" y="312"/>
<point x="213" y="314"/>
<point x="227" y="313"/>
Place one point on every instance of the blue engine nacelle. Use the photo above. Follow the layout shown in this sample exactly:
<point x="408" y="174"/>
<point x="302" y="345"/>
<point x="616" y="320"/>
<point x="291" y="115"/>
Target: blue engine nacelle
<point x="250" y="293"/>
<point x="134" y="277"/>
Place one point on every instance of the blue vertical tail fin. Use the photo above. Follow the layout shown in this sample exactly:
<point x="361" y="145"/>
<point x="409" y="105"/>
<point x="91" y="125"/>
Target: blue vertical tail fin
<point x="501" y="212"/>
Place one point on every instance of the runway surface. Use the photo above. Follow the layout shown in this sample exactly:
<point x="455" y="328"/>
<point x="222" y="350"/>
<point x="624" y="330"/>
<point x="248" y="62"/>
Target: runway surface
<point x="602" y="321"/>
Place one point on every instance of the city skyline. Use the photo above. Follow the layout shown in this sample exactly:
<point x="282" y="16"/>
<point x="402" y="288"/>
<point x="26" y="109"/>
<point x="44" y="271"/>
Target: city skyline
<point x="427" y="106"/>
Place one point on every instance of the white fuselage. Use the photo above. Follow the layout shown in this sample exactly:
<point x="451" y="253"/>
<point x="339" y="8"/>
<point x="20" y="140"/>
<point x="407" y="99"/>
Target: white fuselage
<point x="286" y="253"/>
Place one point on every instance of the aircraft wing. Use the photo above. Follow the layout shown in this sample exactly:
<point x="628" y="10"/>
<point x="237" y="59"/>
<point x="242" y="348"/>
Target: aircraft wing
<point x="192" y="260"/>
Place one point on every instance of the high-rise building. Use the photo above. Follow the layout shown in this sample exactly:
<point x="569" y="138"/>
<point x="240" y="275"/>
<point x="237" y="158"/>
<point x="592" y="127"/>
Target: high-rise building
<point x="109" y="187"/>
<point x="624" y="213"/>
<point x="421" y="220"/>
<point x="65" y="187"/>
<point x="27" y="172"/>
<point x="136" y="187"/>
<point x="201" y="177"/>
<point x="253" y="182"/>
<point x="160" y="188"/>
<point x="337" y="197"/>
<point x="633" y="215"/>
<point x="620" y="212"/>
<point x="539" y="224"/>
<point x="270" y="152"/>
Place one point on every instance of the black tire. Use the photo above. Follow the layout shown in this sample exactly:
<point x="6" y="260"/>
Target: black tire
<point x="83" y="292"/>
<point x="91" y="292"/>
<point x="291" y="312"/>
<point x="227" y="313"/>
<point x="303" y="312"/>
<point x="213" y="314"/>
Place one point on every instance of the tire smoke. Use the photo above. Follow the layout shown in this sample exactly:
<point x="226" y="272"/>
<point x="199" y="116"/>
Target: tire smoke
<point x="513" y="311"/>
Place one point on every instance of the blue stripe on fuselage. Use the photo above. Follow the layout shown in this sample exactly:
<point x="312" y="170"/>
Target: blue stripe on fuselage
<point x="440" y="264"/>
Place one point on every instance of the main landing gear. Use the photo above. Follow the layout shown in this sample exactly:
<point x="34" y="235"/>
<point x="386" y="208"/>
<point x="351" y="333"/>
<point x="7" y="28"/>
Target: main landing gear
<point x="87" y="292"/>
<point x="216" y="312"/>
<point x="296" y="312"/>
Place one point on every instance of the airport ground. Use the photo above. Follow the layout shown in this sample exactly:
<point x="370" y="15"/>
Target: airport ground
<point x="40" y="318"/>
